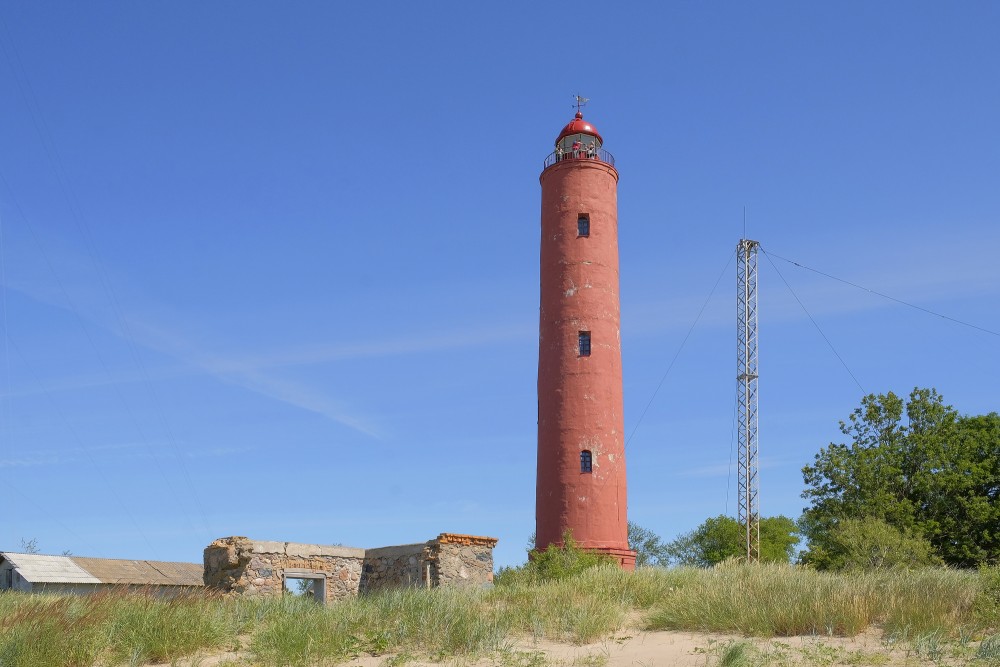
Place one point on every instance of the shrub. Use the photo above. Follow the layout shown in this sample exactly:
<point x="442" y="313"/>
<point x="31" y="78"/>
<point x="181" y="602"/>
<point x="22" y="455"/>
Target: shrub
<point x="553" y="564"/>
<point x="871" y="543"/>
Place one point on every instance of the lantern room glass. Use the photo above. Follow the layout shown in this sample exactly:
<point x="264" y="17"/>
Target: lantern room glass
<point x="579" y="145"/>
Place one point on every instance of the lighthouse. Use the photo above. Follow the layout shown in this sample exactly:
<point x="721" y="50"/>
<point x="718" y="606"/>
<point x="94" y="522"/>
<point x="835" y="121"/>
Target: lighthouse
<point x="581" y="488"/>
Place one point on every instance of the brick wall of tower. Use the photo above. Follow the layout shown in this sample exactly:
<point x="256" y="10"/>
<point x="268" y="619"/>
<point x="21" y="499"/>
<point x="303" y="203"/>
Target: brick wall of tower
<point x="580" y="397"/>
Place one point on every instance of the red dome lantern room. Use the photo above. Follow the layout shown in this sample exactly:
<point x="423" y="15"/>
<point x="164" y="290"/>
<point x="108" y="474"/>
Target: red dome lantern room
<point x="579" y="140"/>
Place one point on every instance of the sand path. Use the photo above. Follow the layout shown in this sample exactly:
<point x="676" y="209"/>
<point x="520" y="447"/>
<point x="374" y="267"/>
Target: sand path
<point x="633" y="648"/>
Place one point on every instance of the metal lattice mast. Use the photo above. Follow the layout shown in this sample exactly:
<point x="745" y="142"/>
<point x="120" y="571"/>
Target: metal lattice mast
<point x="746" y="360"/>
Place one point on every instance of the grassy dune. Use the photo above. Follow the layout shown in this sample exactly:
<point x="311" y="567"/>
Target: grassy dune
<point x="774" y="601"/>
<point x="755" y="601"/>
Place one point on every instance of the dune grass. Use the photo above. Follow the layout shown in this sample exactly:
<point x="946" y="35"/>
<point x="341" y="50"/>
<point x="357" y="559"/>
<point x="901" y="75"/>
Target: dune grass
<point x="123" y="628"/>
<point x="441" y="622"/>
<point x="118" y="627"/>
<point x="38" y="631"/>
<point x="776" y="600"/>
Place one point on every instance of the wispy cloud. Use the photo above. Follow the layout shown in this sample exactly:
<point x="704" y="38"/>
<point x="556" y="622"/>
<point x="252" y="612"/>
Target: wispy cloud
<point x="318" y="353"/>
<point x="304" y="397"/>
<point x="119" y="451"/>
<point x="256" y="372"/>
<point x="93" y="381"/>
<point x="54" y="457"/>
<point x="216" y="452"/>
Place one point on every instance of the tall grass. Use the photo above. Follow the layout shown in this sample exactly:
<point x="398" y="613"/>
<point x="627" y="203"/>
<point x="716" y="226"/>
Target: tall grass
<point x="577" y="609"/>
<point x="768" y="600"/>
<point x="141" y="628"/>
<point x="777" y="600"/>
<point x="40" y="631"/>
<point x="438" y="623"/>
<point x="116" y="627"/>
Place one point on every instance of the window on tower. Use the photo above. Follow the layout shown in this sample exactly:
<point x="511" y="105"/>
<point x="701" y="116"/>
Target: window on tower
<point x="584" y="339"/>
<point x="583" y="225"/>
<point x="586" y="461"/>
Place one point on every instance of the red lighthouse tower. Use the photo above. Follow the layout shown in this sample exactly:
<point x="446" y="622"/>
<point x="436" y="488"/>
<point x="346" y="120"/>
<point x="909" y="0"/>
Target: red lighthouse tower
<point x="581" y="450"/>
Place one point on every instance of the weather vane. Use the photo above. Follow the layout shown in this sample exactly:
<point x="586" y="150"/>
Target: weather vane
<point x="580" y="102"/>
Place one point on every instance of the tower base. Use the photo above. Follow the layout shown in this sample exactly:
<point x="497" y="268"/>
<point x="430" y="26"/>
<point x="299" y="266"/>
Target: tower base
<point x="625" y="557"/>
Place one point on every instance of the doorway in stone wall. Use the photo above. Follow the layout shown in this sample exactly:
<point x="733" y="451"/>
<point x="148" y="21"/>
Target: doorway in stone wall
<point x="306" y="584"/>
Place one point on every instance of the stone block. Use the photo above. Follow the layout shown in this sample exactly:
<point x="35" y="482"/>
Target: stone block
<point x="396" y="552"/>
<point x="301" y="550"/>
<point x="265" y="547"/>
<point x="341" y="552"/>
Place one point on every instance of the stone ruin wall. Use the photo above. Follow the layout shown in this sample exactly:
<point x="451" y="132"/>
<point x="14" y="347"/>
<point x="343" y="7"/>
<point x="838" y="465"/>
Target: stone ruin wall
<point x="241" y="566"/>
<point x="396" y="567"/>
<point x="463" y="560"/>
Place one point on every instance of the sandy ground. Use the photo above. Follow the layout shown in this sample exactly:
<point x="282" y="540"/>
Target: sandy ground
<point x="662" y="649"/>
<point x="687" y="649"/>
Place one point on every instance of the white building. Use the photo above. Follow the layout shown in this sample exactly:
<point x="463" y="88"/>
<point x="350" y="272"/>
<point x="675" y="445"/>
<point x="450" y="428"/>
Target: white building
<point x="74" y="574"/>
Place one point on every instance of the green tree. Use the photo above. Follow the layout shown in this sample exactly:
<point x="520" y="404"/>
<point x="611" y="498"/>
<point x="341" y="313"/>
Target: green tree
<point x="648" y="547"/>
<point x="722" y="537"/>
<point x="870" y="544"/>
<point x="778" y="537"/>
<point x="916" y="465"/>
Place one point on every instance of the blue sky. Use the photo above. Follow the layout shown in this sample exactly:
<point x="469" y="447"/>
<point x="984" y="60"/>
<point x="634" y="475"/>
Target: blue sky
<point x="270" y="269"/>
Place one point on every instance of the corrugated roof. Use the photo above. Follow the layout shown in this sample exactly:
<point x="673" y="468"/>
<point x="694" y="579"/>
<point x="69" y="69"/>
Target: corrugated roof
<point x="142" y="572"/>
<point x="39" y="569"/>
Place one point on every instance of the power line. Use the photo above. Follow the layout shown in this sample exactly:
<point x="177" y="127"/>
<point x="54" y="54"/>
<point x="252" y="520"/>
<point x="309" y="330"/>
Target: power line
<point x="679" y="349"/>
<point x="884" y="296"/>
<point x="76" y="210"/>
<point x="815" y="324"/>
<point x="5" y="412"/>
<point x="72" y="307"/>
<point x="30" y="504"/>
<point x="56" y="409"/>
<point x="732" y="441"/>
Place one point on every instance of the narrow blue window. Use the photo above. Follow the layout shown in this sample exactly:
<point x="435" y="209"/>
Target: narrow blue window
<point x="586" y="461"/>
<point x="583" y="225"/>
<point x="584" y="340"/>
